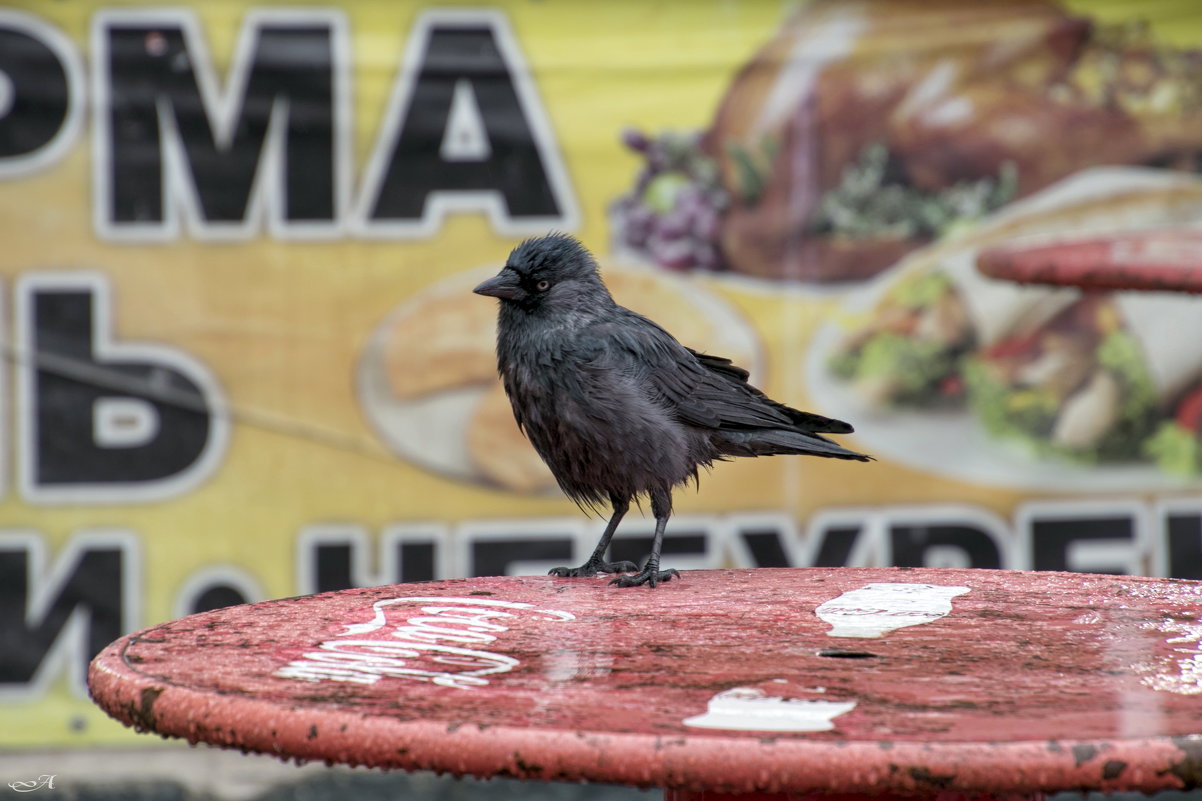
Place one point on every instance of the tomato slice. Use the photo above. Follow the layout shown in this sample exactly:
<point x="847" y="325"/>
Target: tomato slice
<point x="1018" y="346"/>
<point x="1189" y="411"/>
<point x="951" y="386"/>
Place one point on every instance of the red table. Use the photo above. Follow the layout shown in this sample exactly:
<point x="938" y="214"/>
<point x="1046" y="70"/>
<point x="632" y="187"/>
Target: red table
<point x="878" y="682"/>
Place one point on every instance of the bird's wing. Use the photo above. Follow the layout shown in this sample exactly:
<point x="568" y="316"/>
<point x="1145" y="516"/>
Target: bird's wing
<point x="703" y="390"/>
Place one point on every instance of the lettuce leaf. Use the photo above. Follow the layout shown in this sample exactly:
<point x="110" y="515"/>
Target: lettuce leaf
<point x="914" y="367"/>
<point x="1029" y="414"/>
<point x="1175" y="449"/>
<point x="922" y="291"/>
<point x="1121" y="354"/>
<point x="1025" y="413"/>
<point x="873" y="200"/>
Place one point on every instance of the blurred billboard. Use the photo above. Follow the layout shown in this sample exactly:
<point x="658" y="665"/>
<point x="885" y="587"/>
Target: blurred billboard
<point x="244" y="360"/>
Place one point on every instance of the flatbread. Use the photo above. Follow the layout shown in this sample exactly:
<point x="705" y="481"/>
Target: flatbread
<point x="499" y="450"/>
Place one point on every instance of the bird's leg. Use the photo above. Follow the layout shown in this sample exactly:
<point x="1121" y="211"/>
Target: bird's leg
<point x="596" y="563"/>
<point x="661" y="507"/>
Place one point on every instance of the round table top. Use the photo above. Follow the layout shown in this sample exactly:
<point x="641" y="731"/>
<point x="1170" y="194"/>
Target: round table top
<point x="887" y="680"/>
<point x="1164" y="260"/>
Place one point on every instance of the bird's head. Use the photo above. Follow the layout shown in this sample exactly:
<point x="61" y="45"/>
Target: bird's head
<point x="553" y="273"/>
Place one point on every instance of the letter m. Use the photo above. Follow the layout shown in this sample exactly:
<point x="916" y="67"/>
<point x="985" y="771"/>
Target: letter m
<point x="170" y="144"/>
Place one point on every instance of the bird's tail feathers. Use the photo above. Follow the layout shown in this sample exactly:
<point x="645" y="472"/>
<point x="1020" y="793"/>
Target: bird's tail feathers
<point x="771" y="442"/>
<point x="817" y="423"/>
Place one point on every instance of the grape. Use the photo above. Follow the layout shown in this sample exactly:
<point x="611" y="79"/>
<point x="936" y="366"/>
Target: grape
<point x="673" y="225"/>
<point x="705" y="224"/>
<point x="636" y="140"/>
<point x="675" y="254"/>
<point x="705" y="257"/>
<point x="639" y="223"/>
<point x="673" y="214"/>
<point x="643" y="180"/>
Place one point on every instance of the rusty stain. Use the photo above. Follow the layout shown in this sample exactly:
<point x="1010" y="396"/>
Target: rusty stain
<point x="926" y="777"/>
<point x="1189" y="767"/>
<point x="527" y="768"/>
<point x="1084" y="752"/>
<point x="143" y="714"/>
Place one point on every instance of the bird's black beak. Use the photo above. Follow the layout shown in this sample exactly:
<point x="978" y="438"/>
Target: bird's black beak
<point x="503" y="285"/>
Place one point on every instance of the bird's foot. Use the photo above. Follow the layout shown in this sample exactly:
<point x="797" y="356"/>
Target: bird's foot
<point x="592" y="568"/>
<point x="650" y="575"/>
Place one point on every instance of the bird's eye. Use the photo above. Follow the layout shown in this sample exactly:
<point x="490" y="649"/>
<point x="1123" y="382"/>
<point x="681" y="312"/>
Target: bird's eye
<point x="543" y="286"/>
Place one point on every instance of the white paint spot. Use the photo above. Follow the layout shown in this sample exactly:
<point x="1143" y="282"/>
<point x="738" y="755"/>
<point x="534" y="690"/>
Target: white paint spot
<point x="876" y="609"/>
<point x="156" y="44"/>
<point x="751" y="709"/>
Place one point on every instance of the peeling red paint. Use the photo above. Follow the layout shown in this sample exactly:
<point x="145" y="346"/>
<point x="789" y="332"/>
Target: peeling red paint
<point x="1032" y="682"/>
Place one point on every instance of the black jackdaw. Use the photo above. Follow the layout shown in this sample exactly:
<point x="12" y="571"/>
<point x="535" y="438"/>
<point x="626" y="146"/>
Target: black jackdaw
<point x="615" y="406"/>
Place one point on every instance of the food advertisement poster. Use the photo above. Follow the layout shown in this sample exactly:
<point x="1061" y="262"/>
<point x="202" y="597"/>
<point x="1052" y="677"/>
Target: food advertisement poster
<point x="244" y="361"/>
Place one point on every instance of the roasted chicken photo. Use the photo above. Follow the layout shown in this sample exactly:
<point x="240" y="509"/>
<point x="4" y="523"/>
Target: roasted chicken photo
<point x="867" y="128"/>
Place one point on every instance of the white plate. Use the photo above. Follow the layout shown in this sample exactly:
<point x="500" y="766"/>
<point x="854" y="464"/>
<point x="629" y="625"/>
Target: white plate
<point x="431" y="431"/>
<point x="953" y="443"/>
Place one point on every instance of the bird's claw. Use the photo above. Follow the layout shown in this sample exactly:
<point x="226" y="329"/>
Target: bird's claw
<point x="650" y="577"/>
<point x="589" y="569"/>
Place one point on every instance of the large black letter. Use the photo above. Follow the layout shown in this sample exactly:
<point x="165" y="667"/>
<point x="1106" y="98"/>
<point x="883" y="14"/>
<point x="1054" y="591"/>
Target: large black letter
<point x="1080" y="539"/>
<point x="167" y="137"/>
<point x="1183" y="544"/>
<point x="87" y="596"/>
<point x="40" y="78"/>
<point x="336" y="556"/>
<point x="102" y="422"/>
<point x="765" y="546"/>
<point x="465" y="131"/>
<point x="943" y="545"/>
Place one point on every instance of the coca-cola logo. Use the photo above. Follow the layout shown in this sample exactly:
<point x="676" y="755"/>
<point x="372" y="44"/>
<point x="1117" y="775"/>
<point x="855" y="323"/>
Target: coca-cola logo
<point x="441" y="640"/>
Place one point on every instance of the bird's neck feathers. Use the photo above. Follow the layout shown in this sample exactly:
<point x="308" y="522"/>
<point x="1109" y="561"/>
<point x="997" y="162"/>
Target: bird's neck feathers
<point x="517" y="323"/>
